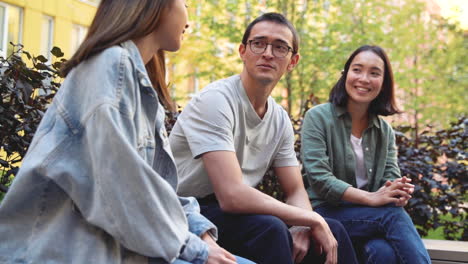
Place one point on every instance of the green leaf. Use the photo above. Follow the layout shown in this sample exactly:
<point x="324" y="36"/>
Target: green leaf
<point x="27" y="54"/>
<point x="42" y="58"/>
<point x="41" y="66"/>
<point x="57" y="52"/>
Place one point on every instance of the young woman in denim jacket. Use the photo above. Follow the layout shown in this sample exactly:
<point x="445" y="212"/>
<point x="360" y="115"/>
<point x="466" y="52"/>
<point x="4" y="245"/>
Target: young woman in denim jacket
<point x="350" y="159"/>
<point x="98" y="182"/>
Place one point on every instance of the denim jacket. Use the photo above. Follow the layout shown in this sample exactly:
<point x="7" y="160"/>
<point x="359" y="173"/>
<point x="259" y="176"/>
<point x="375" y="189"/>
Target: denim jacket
<point x="98" y="182"/>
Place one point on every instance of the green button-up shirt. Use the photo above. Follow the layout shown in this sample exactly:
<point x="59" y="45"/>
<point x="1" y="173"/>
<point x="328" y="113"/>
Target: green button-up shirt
<point x="328" y="156"/>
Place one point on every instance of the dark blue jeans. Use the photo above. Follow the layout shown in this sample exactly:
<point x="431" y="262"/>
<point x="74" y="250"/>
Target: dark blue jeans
<point x="265" y="239"/>
<point x="379" y="233"/>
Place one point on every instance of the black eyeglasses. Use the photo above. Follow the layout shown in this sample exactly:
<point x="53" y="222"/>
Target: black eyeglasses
<point x="278" y="48"/>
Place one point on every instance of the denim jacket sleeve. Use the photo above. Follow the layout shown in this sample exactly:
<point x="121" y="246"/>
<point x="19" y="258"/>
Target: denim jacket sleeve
<point x="316" y="160"/>
<point x="198" y="224"/>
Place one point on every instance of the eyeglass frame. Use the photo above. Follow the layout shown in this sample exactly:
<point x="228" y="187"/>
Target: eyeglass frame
<point x="249" y="42"/>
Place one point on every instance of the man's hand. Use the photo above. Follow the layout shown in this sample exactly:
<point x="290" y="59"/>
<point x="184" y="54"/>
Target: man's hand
<point x="217" y="254"/>
<point x="301" y="242"/>
<point x="324" y="240"/>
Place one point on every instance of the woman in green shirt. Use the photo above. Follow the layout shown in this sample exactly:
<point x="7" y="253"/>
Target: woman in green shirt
<point x="350" y="159"/>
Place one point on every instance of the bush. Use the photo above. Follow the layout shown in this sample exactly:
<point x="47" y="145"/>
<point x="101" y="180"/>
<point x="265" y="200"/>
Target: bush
<point x="437" y="164"/>
<point x="25" y="93"/>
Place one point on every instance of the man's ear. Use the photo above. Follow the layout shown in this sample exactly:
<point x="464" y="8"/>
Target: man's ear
<point x="294" y="61"/>
<point x="242" y="50"/>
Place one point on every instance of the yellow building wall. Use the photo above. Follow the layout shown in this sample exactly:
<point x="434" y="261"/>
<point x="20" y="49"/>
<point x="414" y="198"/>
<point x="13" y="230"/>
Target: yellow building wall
<point x="65" y="14"/>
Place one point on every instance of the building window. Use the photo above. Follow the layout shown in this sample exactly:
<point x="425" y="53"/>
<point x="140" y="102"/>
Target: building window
<point x="91" y="2"/>
<point x="11" y="24"/>
<point x="78" y="35"/>
<point x="47" y="40"/>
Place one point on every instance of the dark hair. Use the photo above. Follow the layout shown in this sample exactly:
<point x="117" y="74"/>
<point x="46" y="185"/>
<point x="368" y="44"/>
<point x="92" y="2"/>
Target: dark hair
<point x="117" y="21"/>
<point x="384" y="104"/>
<point x="277" y="18"/>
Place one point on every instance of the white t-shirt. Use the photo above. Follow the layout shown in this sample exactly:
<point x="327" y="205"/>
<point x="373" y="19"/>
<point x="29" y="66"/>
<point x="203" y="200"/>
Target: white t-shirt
<point x="360" y="170"/>
<point x="221" y="117"/>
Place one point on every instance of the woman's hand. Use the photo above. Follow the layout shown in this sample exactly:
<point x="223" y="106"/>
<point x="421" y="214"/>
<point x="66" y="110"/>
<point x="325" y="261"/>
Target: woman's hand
<point x="217" y="254"/>
<point x="398" y="192"/>
<point x="404" y="184"/>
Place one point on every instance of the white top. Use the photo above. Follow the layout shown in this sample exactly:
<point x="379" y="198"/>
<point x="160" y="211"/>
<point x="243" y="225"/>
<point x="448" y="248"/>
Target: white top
<point x="221" y="117"/>
<point x="360" y="171"/>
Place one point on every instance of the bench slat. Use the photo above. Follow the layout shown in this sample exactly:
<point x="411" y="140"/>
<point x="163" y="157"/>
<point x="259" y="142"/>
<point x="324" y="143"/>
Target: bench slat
<point x="446" y="251"/>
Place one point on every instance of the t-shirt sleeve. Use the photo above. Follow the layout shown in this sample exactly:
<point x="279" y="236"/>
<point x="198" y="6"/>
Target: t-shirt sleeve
<point x="286" y="155"/>
<point x="207" y="123"/>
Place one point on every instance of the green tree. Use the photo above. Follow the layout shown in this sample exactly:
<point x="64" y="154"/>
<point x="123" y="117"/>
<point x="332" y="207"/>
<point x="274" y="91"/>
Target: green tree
<point x="426" y="51"/>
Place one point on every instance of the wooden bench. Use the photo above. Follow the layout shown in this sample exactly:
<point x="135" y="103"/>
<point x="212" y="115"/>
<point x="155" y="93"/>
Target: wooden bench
<point x="447" y="252"/>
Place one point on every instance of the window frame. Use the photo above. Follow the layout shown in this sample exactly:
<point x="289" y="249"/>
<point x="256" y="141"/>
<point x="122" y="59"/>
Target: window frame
<point x="50" y="36"/>
<point x="91" y="2"/>
<point x="4" y="41"/>
<point x="82" y="31"/>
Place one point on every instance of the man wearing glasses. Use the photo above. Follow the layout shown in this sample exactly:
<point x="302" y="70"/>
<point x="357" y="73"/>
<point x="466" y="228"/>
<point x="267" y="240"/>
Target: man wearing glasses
<point x="230" y="134"/>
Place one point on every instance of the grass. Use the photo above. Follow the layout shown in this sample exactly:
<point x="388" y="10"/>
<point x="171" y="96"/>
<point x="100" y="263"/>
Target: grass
<point x="438" y="233"/>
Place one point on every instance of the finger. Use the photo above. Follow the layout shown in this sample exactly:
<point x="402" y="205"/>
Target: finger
<point x="401" y="186"/>
<point x="408" y="190"/>
<point x="295" y="253"/>
<point x="228" y="255"/>
<point x="403" y="182"/>
<point x="408" y="185"/>
<point x="331" y="257"/>
<point x="300" y="256"/>
<point x="318" y="249"/>
<point x="406" y="179"/>
<point x="401" y="203"/>
<point x="400" y="193"/>
<point x="229" y="261"/>
<point x="335" y="251"/>
<point x="390" y="200"/>
<point x="404" y="203"/>
<point x="387" y="183"/>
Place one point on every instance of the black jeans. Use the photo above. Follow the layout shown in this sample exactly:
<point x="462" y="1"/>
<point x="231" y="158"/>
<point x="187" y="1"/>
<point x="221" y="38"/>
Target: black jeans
<point x="265" y="239"/>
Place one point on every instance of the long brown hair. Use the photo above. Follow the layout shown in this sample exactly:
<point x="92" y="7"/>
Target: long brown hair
<point x="117" y="21"/>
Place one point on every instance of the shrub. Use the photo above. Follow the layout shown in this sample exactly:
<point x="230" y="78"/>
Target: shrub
<point x="25" y="93"/>
<point x="437" y="164"/>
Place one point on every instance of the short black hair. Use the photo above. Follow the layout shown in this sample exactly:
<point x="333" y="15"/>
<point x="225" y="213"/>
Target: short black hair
<point x="277" y="18"/>
<point x="384" y="104"/>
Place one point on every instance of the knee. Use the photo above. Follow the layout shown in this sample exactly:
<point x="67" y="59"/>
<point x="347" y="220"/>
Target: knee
<point x="337" y="228"/>
<point x="271" y="227"/>
<point x="272" y="224"/>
